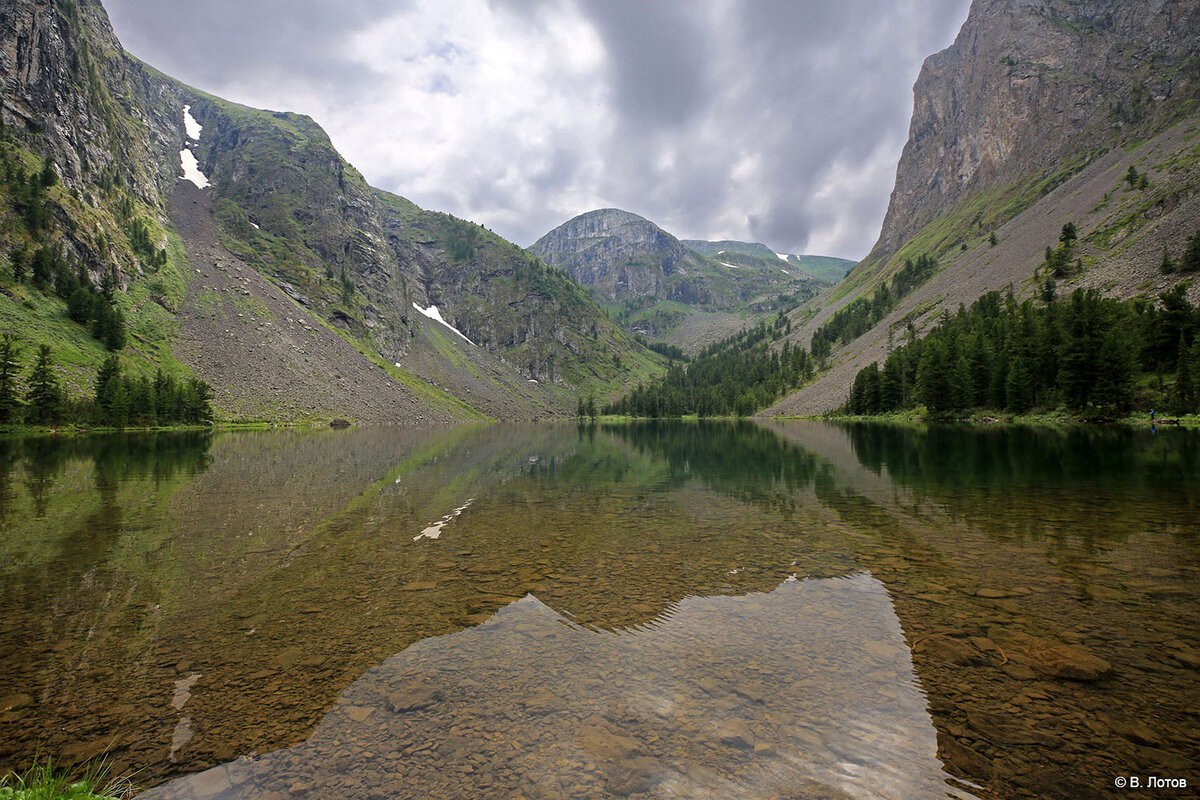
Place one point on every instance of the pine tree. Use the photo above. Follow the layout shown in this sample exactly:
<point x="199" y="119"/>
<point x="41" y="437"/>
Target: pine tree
<point x="20" y="265"/>
<point x="1183" y="393"/>
<point x="1190" y="260"/>
<point x="48" y="177"/>
<point x="1166" y="266"/>
<point x="1114" y="379"/>
<point x="1018" y="387"/>
<point x="118" y="409"/>
<point x="107" y="378"/>
<point x="891" y="384"/>
<point x="933" y="377"/>
<point x="10" y="351"/>
<point x="45" y="397"/>
<point x="962" y="384"/>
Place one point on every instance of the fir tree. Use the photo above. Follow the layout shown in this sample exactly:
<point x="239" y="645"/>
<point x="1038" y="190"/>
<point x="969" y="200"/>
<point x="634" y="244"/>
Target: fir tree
<point x="933" y="377"/>
<point x="1018" y="387"/>
<point x="10" y="351"/>
<point x="1166" y="266"/>
<point x="1183" y="393"/>
<point x="107" y="378"/>
<point x="1190" y="260"/>
<point x="20" y="265"/>
<point x="45" y="397"/>
<point x="48" y="177"/>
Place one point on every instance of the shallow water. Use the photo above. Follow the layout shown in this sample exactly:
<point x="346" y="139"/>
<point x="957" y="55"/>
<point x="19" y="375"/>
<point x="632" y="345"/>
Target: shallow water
<point x="658" y="610"/>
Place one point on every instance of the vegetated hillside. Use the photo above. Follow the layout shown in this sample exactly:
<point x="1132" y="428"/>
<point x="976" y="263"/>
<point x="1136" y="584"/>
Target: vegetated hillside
<point x="299" y="227"/>
<point x="826" y="269"/>
<point x="1031" y="120"/>
<point x="655" y="286"/>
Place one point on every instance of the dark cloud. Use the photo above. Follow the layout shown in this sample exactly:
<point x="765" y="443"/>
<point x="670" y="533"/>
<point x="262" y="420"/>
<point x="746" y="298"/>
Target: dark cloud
<point x="774" y="120"/>
<point x="657" y="57"/>
<point x="217" y="42"/>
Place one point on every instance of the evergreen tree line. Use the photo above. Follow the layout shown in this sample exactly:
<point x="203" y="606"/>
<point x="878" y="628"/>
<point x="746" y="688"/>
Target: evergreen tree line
<point x="864" y="313"/>
<point x="28" y="191"/>
<point x="1088" y="354"/>
<point x="672" y="352"/>
<point x="46" y="267"/>
<point x="118" y="401"/>
<point x="89" y="305"/>
<point x="734" y="377"/>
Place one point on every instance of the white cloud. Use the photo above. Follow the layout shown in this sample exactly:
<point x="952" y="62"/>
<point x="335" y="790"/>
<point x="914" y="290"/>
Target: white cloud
<point x="768" y="120"/>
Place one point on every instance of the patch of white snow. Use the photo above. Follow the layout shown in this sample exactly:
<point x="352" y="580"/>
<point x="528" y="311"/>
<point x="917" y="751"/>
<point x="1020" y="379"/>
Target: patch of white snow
<point x="433" y="313"/>
<point x="781" y="257"/>
<point x="252" y="225"/>
<point x="191" y="169"/>
<point x="727" y="264"/>
<point x="190" y="126"/>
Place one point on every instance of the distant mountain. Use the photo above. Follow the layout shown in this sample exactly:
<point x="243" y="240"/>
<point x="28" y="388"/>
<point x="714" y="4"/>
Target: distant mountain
<point x="657" y="286"/>
<point x="827" y="269"/>
<point x="292" y="286"/>
<point x="620" y="255"/>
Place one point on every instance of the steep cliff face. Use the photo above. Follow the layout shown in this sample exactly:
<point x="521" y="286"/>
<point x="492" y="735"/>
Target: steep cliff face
<point x="69" y="86"/>
<point x="1029" y="86"/>
<point x="1037" y="116"/>
<point x="619" y="254"/>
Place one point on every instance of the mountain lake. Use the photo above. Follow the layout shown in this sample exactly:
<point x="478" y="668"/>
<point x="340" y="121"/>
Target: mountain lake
<point x="652" y="610"/>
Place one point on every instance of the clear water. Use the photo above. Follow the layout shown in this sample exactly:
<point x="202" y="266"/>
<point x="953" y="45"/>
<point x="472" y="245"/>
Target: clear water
<point x="659" y="611"/>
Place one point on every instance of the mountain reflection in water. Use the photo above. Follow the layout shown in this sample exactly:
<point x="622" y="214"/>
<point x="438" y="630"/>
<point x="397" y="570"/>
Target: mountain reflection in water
<point x="185" y="603"/>
<point x="807" y="690"/>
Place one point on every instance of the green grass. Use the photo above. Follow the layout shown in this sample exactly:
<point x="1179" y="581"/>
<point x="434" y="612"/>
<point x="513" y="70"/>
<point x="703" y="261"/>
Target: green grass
<point x="972" y="220"/>
<point x="43" y="781"/>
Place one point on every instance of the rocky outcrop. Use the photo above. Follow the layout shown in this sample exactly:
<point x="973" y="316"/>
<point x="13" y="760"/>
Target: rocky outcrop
<point x="1028" y="87"/>
<point x="71" y="90"/>
<point x="618" y="254"/>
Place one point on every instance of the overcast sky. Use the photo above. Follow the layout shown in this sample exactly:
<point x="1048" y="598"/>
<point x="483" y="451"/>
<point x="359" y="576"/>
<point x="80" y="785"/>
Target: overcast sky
<point x="777" y="121"/>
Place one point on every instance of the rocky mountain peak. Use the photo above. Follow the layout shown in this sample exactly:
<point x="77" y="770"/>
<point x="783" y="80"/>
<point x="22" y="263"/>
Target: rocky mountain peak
<point x="617" y="252"/>
<point x="1027" y="85"/>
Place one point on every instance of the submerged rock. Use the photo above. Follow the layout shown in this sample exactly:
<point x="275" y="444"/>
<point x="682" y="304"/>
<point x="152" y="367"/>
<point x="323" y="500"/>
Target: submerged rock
<point x="1049" y="658"/>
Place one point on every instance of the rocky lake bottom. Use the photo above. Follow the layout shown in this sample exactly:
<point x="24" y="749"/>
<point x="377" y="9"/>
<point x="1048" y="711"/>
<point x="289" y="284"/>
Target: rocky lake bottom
<point x="657" y="610"/>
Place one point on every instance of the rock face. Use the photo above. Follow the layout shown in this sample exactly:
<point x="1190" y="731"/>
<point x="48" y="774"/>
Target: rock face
<point x="619" y="254"/>
<point x="1029" y="86"/>
<point x="93" y="108"/>
<point x="668" y="290"/>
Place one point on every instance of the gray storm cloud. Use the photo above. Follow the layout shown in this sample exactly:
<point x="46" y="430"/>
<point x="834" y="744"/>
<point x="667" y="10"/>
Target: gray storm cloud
<point x="768" y="120"/>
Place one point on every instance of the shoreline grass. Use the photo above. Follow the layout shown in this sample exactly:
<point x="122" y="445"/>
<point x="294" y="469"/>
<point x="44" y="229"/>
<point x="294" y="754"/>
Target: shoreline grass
<point x="46" y="781"/>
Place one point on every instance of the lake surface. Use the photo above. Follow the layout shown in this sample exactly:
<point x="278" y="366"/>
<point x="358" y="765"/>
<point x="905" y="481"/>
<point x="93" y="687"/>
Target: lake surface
<point x="725" y="610"/>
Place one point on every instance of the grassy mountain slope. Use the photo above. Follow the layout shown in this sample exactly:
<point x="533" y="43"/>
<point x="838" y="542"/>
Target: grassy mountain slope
<point x="1122" y="233"/>
<point x="1086" y="90"/>
<point x="294" y="235"/>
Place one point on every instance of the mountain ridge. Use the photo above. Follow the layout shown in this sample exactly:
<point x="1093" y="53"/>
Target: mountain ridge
<point x="986" y="200"/>
<point x="349" y="259"/>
